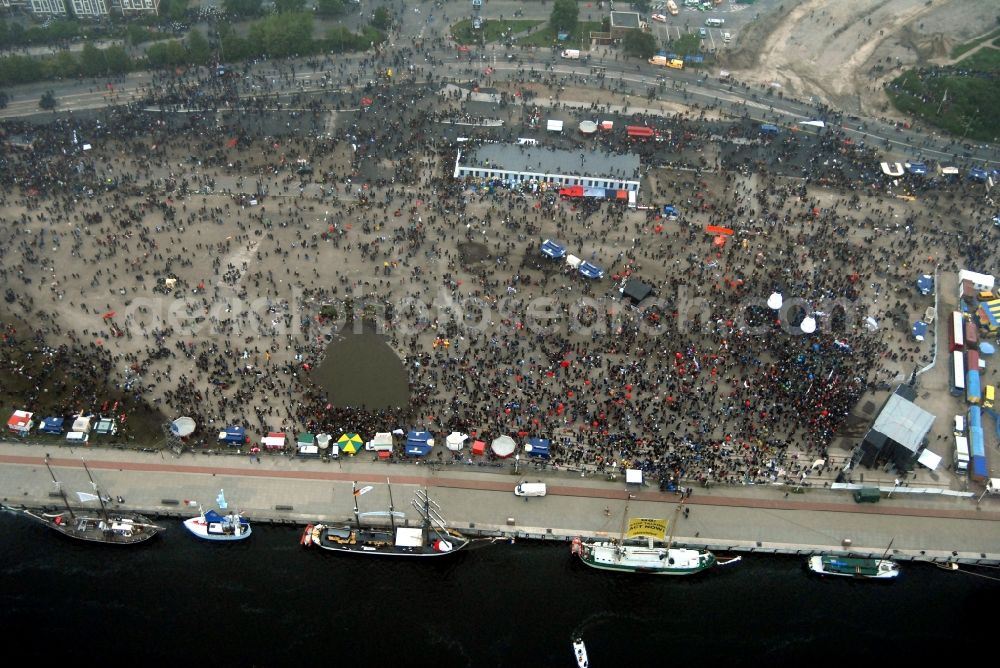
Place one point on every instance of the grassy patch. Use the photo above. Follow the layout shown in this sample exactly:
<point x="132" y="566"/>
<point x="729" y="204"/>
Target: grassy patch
<point x="984" y="60"/>
<point x="957" y="51"/>
<point x="965" y="112"/>
<point x="493" y="30"/>
<point x="547" y="36"/>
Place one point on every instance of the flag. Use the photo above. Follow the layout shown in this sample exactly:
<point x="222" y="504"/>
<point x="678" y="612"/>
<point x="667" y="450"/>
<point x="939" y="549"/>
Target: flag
<point x="221" y="500"/>
<point x="85" y="496"/>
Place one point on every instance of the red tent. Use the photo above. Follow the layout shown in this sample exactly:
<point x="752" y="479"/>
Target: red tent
<point x="478" y="448"/>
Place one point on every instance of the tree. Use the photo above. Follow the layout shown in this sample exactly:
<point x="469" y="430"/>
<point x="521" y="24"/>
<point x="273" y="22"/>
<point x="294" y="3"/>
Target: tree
<point x="565" y="15"/>
<point x="47" y="101"/>
<point x="285" y="6"/>
<point x="330" y="7"/>
<point x="92" y="61"/>
<point x="382" y="20"/>
<point x="641" y="6"/>
<point x="198" y="49"/>
<point x="283" y="35"/>
<point x="117" y="59"/>
<point x="688" y="44"/>
<point x="639" y="44"/>
<point x="242" y="8"/>
<point x="4" y="98"/>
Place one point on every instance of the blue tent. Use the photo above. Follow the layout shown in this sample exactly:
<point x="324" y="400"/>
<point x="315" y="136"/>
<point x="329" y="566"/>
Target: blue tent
<point x="925" y="284"/>
<point x="552" y="249"/>
<point x="417" y="448"/>
<point x="233" y="435"/>
<point x="919" y="330"/>
<point x="918" y="168"/>
<point x="590" y="270"/>
<point x="670" y="211"/>
<point x="977" y="174"/>
<point x="418" y="443"/>
<point x="51" y="425"/>
<point x="537" y="447"/>
<point x="985" y="348"/>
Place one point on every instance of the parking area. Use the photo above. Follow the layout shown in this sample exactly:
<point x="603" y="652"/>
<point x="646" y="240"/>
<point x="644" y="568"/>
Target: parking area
<point x="714" y="38"/>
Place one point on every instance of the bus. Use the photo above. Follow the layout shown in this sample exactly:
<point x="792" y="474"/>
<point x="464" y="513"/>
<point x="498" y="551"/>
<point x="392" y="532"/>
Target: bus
<point x="957" y="374"/>
<point x="956" y="340"/>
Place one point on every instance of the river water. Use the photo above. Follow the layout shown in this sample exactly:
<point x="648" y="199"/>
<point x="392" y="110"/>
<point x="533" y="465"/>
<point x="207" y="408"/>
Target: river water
<point x="268" y="602"/>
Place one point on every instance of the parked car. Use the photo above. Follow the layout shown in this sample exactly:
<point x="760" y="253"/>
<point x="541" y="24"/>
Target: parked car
<point x="703" y="33"/>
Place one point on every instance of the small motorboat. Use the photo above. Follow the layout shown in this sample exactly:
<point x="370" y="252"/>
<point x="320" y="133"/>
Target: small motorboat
<point x="580" y="651"/>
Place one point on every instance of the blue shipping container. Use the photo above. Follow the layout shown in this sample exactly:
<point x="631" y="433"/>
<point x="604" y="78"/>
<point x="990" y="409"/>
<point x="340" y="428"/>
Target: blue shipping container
<point x="976" y="447"/>
<point x="979" y="472"/>
<point x="973" y="392"/>
<point x="975" y="416"/>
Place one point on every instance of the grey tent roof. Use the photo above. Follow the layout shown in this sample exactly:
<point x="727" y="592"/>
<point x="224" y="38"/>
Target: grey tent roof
<point x="589" y="163"/>
<point x="637" y="290"/>
<point x="903" y="422"/>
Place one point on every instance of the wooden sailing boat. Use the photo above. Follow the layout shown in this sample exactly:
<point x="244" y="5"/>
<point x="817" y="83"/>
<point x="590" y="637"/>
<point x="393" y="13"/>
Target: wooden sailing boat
<point x="617" y="555"/>
<point x="111" y="527"/>
<point x="432" y="538"/>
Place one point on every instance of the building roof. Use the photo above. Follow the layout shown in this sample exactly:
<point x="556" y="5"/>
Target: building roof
<point x="903" y="422"/>
<point x="536" y="159"/>
<point x="625" y="20"/>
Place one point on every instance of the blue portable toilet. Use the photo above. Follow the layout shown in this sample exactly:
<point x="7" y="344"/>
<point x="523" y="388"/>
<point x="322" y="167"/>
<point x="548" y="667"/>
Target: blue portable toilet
<point x="919" y="330"/>
<point x="925" y="284"/>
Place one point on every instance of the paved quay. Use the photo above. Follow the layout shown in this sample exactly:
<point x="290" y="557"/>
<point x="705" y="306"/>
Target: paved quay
<point x="288" y="490"/>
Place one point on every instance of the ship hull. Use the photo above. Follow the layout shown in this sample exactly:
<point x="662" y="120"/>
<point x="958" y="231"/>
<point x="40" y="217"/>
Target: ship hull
<point x="124" y="528"/>
<point x="375" y="543"/>
<point x="645" y="561"/>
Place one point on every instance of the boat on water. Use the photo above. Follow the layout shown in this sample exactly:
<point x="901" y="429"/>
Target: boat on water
<point x="651" y="558"/>
<point x="107" y="526"/>
<point x="217" y="527"/>
<point x="855" y="567"/>
<point x="864" y="568"/>
<point x="580" y="652"/>
<point x="432" y="538"/>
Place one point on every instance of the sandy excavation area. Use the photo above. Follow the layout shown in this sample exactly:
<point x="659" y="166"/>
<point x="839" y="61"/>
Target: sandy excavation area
<point x="842" y="53"/>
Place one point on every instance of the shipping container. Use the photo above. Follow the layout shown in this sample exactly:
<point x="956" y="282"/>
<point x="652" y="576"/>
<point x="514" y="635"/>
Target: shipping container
<point x="973" y="390"/>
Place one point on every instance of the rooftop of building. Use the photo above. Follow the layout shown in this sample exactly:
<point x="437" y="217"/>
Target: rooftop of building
<point x="625" y="20"/>
<point x="542" y="160"/>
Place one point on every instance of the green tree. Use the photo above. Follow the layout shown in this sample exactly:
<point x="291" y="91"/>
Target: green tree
<point x="175" y="10"/>
<point x="285" y="6"/>
<point x="382" y="20"/>
<point x="331" y="7"/>
<point x="47" y="101"/>
<point x="117" y="59"/>
<point x="688" y="44"/>
<point x="242" y="8"/>
<point x="167" y="54"/>
<point x="92" y="61"/>
<point x="639" y="44"/>
<point x="641" y="6"/>
<point x="283" y="35"/>
<point x="565" y="15"/>
<point x="198" y="48"/>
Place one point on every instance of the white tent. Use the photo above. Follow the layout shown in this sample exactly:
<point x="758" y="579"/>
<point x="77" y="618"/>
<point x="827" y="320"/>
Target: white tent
<point x="633" y="476"/>
<point x="81" y="424"/>
<point x="455" y="441"/>
<point x="573" y="261"/>
<point x="929" y="459"/>
<point x="554" y="126"/>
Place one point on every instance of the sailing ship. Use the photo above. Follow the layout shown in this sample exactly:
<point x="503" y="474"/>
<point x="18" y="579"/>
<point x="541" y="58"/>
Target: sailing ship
<point x="111" y="527"/>
<point x="216" y="527"/>
<point x="616" y="555"/>
<point x="433" y="538"/>
<point x="864" y="568"/>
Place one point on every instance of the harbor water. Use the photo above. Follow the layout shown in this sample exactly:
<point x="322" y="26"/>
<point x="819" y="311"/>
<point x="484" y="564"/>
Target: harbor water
<point x="268" y="601"/>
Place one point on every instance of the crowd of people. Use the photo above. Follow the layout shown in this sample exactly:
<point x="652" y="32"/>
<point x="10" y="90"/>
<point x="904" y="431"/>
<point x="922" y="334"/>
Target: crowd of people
<point x="215" y="240"/>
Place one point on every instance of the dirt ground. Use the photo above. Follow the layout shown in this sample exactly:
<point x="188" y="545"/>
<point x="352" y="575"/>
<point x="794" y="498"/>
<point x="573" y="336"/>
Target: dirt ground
<point x="844" y="52"/>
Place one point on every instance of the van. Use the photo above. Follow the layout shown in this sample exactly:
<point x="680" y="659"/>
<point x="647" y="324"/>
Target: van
<point x="527" y="141"/>
<point x="382" y="442"/>
<point x="867" y="495"/>
<point x="714" y="23"/>
<point x="77" y="437"/>
<point x="959" y="425"/>
<point x="727" y="38"/>
<point x="530" y="489"/>
<point x="571" y="54"/>
<point x="961" y="454"/>
<point x="989" y="396"/>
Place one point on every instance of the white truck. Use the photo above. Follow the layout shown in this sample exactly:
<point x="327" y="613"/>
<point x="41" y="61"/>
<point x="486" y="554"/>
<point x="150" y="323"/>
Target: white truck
<point x="571" y="54"/>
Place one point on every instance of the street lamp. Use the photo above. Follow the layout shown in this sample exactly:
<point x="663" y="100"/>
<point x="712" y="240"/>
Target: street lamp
<point x="894" y="486"/>
<point x="517" y="460"/>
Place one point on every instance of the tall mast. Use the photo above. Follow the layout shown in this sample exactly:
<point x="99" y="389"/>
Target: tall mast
<point x="673" y="523"/>
<point x="392" y="518"/>
<point x="357" y="514"/>
<point x="887" y="547"/>
<point x="621" y="530"/>
<point x="97" y="490"/>
<point x="59" y="488"/>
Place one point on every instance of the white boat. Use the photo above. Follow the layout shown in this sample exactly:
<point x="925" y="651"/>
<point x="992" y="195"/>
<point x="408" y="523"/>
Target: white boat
<point x="651" y="558"/>
<point x="854" y="567"/>
<point x="218" y="527"/>
<point x="580" y="652"/>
